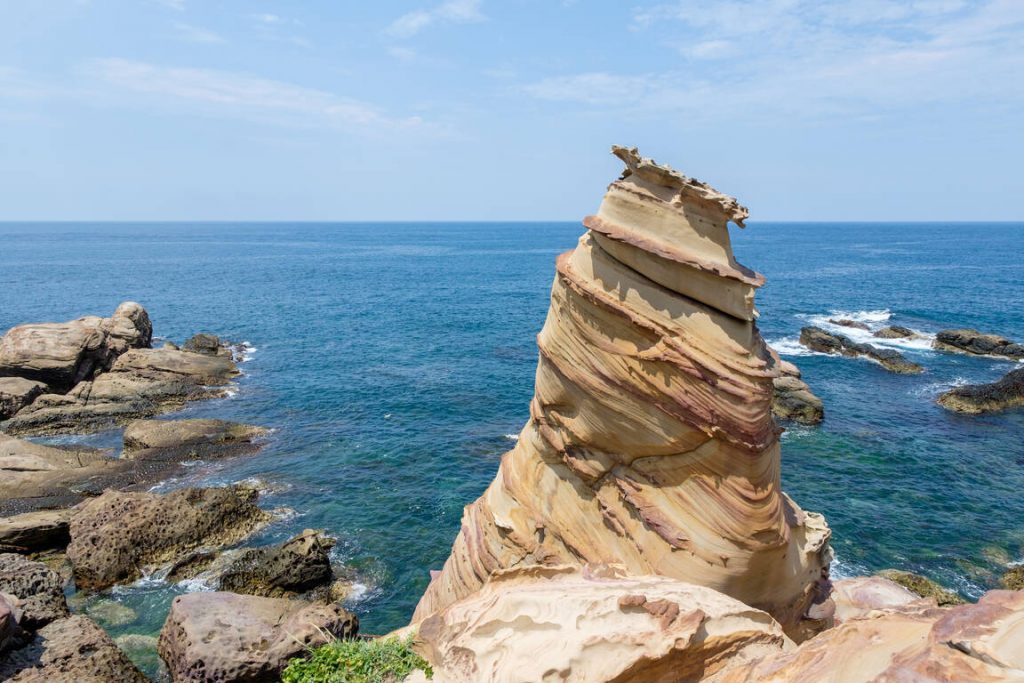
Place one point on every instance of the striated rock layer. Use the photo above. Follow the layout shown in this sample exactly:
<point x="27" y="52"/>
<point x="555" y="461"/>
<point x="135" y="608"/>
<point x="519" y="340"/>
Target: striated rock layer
<point x="651" y="442"/>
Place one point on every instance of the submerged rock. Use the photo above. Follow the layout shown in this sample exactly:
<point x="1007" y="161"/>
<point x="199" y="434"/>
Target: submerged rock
<point x="651" y="441"/>
<point x="64" y="354"/>
<point x="190" y="439"/>
<point x="234" y="638"/>
<point x="846" y="322"/>
<point x="39" y="590"/>
<point x="821" y="341"/>
<point x="118" y="536"/>
<point x="1013" y="579"/>
<point x="922" y="586"/>
<point x="793" y="399"/>
<point x="1002" y="394"/>
<point x="978" y="344"/>
<point x="607" y="627"/>
<point x="16" y="393"/>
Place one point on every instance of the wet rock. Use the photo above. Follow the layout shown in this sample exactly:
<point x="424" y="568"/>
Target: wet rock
<point x="206" y="344"/>
<point x="190" y="439"/>
<point x="119" y="535"/>
<point x="793" y="399"/>
<point x="35" y="531"/>
<point x="110" y="613"/>
<point x="846" y="322"/>
<point x="141" y="383"/>
<point x="64" y="354"/>
<point x="922" y="586"/>
<point x="16" y="393"/>
<point x="295" y="566"/>
<point x="973" y="399"/>
<point x="39" y="590"/>
<point x="978" y="344"/>
<point x="74" y="649"/>
<point x="821" y="341"/>
<point x="896" y="332"/>
<point x="234" y="638"/>
<point x="1013" y="579"/>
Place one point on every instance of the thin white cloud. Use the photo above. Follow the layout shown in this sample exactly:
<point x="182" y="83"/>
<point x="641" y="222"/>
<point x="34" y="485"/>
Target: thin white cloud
<point x="450" y="12"/>
<point x="267" y="18"/>
<point x="178" y="5"/>
<point x="196" y="34"/>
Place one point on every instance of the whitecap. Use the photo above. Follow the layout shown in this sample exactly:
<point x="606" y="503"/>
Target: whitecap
<point x="922" y="341"/>
<point x="936" y="388"/>
<point x="512" y="437"/>
<point x="867" y="317"/>
<point x="247" y="351"/>
<point x="194" y="585"/>
<point x="791" y="346"/>
<point x="359" y="592"/>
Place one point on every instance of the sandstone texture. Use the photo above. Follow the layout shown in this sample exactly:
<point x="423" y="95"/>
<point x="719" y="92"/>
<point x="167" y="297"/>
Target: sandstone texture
<point x="651" y="441"/>
<point x="242" y="638"/>
<point x="16" y="393"/>
<point x="1013" y="579"/>
<point x="11" y="633"/>
<point x="63" y="354"/>
<point x="896" y="332"/>
<point x="39" y="590"/>
<point x="864" y="596"/>
<point x="792" y="399"/>
<point x="974" y="399"/>
<point x="821" y="341"/>
<point x="35" y="531"/>
<point x="595" y="625"/>
<point x="118" y="536"/>
<point x="977" y="344"/>
<point x="190" y="439"/>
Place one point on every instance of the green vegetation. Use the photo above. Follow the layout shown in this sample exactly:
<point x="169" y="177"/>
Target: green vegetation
<point x="383" y="660"/>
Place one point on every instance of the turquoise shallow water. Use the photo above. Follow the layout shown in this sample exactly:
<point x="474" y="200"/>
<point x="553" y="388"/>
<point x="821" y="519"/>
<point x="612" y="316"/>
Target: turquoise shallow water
<point x="396" y="362"/>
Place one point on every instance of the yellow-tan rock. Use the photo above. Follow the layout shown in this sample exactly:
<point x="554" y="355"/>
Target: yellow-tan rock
<point x="651" y="442"/>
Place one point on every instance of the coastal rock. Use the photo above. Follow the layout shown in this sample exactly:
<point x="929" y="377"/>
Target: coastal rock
<point x="190" y="439"/>
<point x="39" y="590"/>
<point x="295" y="566"/>
<point x="651" y="441"/>
<point x="896" y="332"/>
<point x="34" y="531"/>
<point x="793" y="399"/>
<point x="922" y="586"/>
<point x="64" y="354"/>
<point x="1013" y="579"/>
<point x="17" y="455"/>
<point x="11" y="633"/>
<point x="242" y="638"/>
<point x="973" y="399"/>
<point x="978" y="344"/>
<point x="846" y="322"/>
<point x="817" y="339"/>
<point x="206" y="344"/>
<point x="16" y="393"/>
<point x="864" y="596"/>
<point x="72" y="649"/>
<point x="141" y="383"/>
<point x="118" y="536"/>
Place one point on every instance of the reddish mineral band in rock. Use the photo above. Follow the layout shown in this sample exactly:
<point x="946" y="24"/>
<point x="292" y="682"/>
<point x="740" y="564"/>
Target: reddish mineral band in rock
<point x="651" y="442"/>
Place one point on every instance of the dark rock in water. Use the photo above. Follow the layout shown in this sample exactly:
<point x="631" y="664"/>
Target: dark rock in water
<point x="295" y="566"/>
<point x="243" y="638"/>
<point x="1013" y="579"/>
<point x="821" y="341"/>
<point x="1002" y="394"/>
<point x="64" y="354"/>
<point x="34" y="531"/>
<point x="141" y="383"/>
<point x="39" y="590"/>
<point x="793" y="399"/>
<point x="895" y="332"/>
<point x="977" y="343"/>
<point x="190" y="439"/>
<point x="16" y="393"/>
<point x="116" y="536"/>
<point x="74" y="649"/>
<point x="206" y="344"/>
<point x="920" y="585"/>
<point x="846" y="322"/>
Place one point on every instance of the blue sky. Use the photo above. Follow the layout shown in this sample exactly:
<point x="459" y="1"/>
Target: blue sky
<point x="488" y="110"/>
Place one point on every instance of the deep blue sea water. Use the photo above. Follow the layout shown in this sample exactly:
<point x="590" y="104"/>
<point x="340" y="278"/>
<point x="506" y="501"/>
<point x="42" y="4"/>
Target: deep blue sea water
<point x="396" y="361"/>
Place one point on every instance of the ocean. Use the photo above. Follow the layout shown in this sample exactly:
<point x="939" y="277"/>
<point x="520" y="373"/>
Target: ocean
<point x="395" y="363"/>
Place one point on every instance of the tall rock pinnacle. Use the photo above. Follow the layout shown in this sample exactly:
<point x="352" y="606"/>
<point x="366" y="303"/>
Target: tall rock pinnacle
<point x="651" y="442"/>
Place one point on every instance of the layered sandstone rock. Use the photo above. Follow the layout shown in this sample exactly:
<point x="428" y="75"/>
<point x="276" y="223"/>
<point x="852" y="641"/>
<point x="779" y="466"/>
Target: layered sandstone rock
<point x="651" y="441"/>
<point x="794" y="399"/>
<point x="16" y="393"/>
<point x="189" y="439"/>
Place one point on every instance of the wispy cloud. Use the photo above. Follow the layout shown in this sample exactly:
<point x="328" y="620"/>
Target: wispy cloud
<point x="196" y="34"/>
<point x="178" y="5"/>
<point x="450" y="12"/>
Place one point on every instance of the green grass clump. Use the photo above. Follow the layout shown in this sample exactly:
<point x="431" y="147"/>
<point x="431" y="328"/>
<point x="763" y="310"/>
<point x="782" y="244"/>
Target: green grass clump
<point x="383" y="660"/>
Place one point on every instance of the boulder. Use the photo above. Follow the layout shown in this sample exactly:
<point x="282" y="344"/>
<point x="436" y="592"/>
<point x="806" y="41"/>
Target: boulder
<point x="973" y="399"/>
<point x="922" y="586"/>
<point x="16" y="393"/>
<point x="792" y="398"/>
<point x="846" y="322"/>
<point x="118" y="536"/>
<point x="190" y="439"/>
<point x="978" y="344"/>
<point x="295" y="566"/>
<point x="34" y="531"/>
<point x="896" y="332"/>
<point x="206" y="344"/>
<point x="230" y="638"/>
<point x="11" y="633"/>
<point x="64" y="354"/>
<point x="39" y="590"/>
<point x="75" y="650"/>
<point x="864" y="596"/>
<point x="141" y="383"/>
<point x="597" y="625"/>
<point x="821" y="341"/>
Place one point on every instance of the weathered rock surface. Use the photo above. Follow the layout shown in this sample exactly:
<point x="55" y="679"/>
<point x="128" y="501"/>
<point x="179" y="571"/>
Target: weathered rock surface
<point x="978" y="344"/>
<point x="118" y="536"/>
<point x="16" y="393"/>
<point x="72" y="650"/>
<point x="64" y="354"/>
<point x="896" y="332"/>
<point x="34" y="531"/>
<point x="1013" y="579"/>
<point x="596" y="625"/>
<point x="793" y="399"/>
<point x="846" y="322"/>
<point x="39" y="590"/>
<point x="242" y="638"/>
<point x="922" y="586"/>
<point x="651" y="441"/>
<point x="821" y="341"/>
<point x="190" y="439"/>
<point x="11" y="633"/>
<point x="865" y="596"/>
<point x="295" y="566"/>
<point x="1003" y="394"/>
<point x="141" y="383"/>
